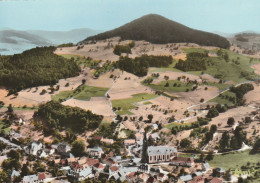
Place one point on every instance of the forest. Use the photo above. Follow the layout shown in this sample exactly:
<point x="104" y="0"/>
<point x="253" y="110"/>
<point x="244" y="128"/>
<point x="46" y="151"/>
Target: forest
<point x="35" y="67"/>
<point x="139" y="65"/>
<point x="57" y="116"/>
<point x="194" y="62"/>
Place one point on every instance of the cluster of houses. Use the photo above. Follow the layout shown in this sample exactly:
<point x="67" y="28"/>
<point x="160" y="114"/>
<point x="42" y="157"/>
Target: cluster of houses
<point x="98" y="165"/>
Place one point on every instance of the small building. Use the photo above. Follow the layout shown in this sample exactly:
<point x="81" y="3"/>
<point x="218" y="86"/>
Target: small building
<point x="129" y="142"/>
<point x="30" y="179"/>
<point x="182" y="161"/>
<point x="33" y="148"/>
<point x="95" y="152"/>
<point x="63" y="148"/>
<point x="108" y="141"/>
<point x="154" y="137"/>
<point x="186" y="178"/>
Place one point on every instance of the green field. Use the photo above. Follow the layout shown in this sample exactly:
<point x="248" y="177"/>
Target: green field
<point x="2" y="127"/>
<point x="83" y="92"/>
<point x="220" y="86"/>
<point x="234" y="160"/>
<point x="173" y="124"/>
<point x="62" y="95"/>
<point x="223" y="100"/>
<point x="181" y="87"/>
<point x="128" y="104"/>
<point x="81" y="60"/>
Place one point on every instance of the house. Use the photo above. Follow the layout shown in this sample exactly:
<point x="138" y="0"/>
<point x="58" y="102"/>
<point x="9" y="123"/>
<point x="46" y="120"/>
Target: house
<point x="63" y="148"/>
<point x="99" y="138"/>
<point x="41" y="177"/>
<point x="162" y="177"/>
<point x="30" y="179"/>
<point x="197" y="179"/>
<point x="155" y="126"/>
<point x="154" y="137"/>
<point x="113" y="169"/>
<point x="129" y="142"/>
<point x="108" y="141"/>
<point x="80" y="173"/>
<point x="95" y="152"/>
<point x="182" y="161"/>
<point x="98" y="167"/>
<point x="157" y="154"/>
<point x="205" y="167"/>
<point x="215" y="180"/>
<point x="14" y="174"/>
<point x="33" y="148"/>
<point x="132" y="177"/>
<point x="139" y="136"/>
<point x="186" y="178"/>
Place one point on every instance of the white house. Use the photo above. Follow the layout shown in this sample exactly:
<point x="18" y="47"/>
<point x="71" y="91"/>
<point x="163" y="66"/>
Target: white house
<point x="33" y="148"/>
<point x="95" y="152"/>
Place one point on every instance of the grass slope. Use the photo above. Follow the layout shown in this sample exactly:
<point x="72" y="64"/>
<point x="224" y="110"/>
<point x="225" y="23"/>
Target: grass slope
<point x="234" y="160"/>
<point x="181" y="87"/>
<point x="128" y="104"/>
<point x="83" y="92"/>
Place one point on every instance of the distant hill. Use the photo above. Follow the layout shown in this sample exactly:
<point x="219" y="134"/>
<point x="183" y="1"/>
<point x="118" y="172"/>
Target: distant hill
<point x="16" y="41"/>
<point x="246" y="40"/>
<point x="159" y="30"/>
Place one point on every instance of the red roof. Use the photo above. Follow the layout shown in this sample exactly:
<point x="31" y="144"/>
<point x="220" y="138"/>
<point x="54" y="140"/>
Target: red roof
<point x="41" y="176"/>
<point x="131" y="175"/>
<point x="114" y="168"/>
<point x="98" y="137"/>
<point x="75" y="165"/>
<point x="216" y="180"/>
<point x="91" y="161"/>
<point x="98" y="165"/>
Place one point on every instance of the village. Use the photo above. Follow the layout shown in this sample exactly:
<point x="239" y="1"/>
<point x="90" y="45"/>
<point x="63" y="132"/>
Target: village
<point x="139" y="160"/>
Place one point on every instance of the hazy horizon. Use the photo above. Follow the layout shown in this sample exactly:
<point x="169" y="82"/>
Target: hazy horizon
<point x="64" y="15"/>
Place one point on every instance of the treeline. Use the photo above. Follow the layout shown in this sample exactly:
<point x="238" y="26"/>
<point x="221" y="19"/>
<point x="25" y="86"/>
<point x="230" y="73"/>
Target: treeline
<point x="35" y="67"/>
<point x="57" y="116"/>
<point x="194" y="62"/>
<point x="139" y="65"/>
<point x="65" y="45"/>
<point x="119" y="49"/>
<point x="240" y="91"/>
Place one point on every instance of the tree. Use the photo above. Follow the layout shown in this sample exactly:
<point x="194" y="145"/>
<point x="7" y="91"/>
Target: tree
<point x="14" y="155"/>
<point x="256" y="147"/>
<point x="10" y="108"/>
<point x="210" y="156"/>
<point x="150" y="117"/>
<point x="185" y="143"/>
<point x="230" y="121"/>
<point x="25" y="170"/>
<point x="225" y="141"/>
<point x="145" y="158"/>
<point x="83" y="81"/>
<point x="1" y="104"/>
<point x="78" y="148"/>
<point x="4" y="177"/>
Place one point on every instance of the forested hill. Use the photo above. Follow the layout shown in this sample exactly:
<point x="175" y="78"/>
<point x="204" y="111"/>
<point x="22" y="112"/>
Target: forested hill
<point x="35" y="67"/>
<point x="159" y="30"/>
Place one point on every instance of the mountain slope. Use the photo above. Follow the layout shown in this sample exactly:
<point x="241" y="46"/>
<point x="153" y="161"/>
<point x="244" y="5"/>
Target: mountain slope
<point x="159" y="30"/>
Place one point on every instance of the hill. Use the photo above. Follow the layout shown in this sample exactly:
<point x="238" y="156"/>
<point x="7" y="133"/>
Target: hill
<point x="159" y="30"/>
<point x="246" y="40"/>
<point x="17" y="41"/>
<point x="35" y="67"/>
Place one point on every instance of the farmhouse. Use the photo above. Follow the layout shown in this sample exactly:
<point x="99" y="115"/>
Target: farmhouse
<point x="182" y="161"/>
